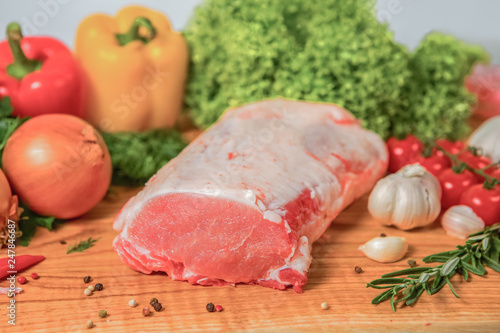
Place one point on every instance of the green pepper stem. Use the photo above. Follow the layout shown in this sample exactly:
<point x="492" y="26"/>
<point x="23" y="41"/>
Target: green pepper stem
<point x="21" y="66"/>
<point x="133" y="33"/>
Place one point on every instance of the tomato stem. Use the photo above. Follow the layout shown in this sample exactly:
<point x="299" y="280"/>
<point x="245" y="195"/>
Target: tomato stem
<point x="459" y="166"/>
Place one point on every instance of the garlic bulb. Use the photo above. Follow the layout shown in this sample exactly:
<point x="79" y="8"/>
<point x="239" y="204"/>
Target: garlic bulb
<point x="385" y="249"/>
<point x="487" y="137"/>
<point x="407" y="199"/>
<point x="461" y="221"/>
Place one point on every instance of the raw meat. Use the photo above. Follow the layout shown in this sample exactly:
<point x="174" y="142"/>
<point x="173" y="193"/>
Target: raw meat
<point x="244" y="202"/>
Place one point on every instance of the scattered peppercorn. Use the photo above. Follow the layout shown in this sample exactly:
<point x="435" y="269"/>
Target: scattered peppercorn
<point x="210" y="307"/>
<point x="383" y="235"/>
<point x="103" y="313"/>
<point x="358" y="269"/>
<point x="87" y="292"/>
<point x="22" y="280"/>
<point x="219" y="308"/>
<point x="98" y="286"/>
<point x="63" y="242"/>
<point x="157" y="306"/>
<point x="90" y="324"/>
<point x="412" y="263"/>
<point x="34" y="276"/>
<point x="324" y="306"/>
<point x="146" y="312"/>
<point x="153" y="301"/>
<point x="91" y="287"/>
<point x="87" y="279"/>
<point x="132" y="303"/>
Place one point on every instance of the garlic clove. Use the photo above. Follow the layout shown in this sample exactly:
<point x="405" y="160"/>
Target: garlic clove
<point x="385" y="249"/>
<point x="461" y="221"/>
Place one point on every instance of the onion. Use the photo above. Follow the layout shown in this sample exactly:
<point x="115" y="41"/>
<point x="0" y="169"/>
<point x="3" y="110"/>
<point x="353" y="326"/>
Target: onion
<point x="8" y="203"/>
<point x="58" y="165"/>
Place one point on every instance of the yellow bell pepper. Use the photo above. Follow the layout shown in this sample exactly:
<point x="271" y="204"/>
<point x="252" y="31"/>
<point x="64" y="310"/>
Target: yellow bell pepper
<point x="136" y="67"/>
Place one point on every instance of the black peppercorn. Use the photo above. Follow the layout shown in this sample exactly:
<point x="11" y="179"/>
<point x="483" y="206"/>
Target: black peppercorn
<point x="153" y="301"/>
<point x="383" y="235"/>
<point x="87" y="279"/>
<point x="210" y="307"/>
<point x="412" y="263"/>
<point x="98" y="286"/>
<point x="157" y="306"/>
<point x="62" y="242"/>
<point x="358" y="269"/>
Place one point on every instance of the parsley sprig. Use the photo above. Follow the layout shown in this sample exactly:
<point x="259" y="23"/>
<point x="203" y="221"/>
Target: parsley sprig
<point x="407" y="285"/>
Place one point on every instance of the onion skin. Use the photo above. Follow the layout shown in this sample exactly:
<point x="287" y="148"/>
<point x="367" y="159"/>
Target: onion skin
<point x="58" y="165"/>
<point x="8" y="202"/>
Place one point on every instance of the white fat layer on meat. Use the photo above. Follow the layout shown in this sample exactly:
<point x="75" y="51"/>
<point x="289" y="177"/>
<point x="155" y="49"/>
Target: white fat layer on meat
<point x="266" y="155"/>
<point x="299" y="261"/>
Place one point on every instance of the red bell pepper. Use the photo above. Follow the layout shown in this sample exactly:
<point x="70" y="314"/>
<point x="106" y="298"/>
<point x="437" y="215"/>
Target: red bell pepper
<point x="40" y="75"/>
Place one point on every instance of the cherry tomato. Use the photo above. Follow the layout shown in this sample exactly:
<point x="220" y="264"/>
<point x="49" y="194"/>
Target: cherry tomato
<point x="493" y="172"/>
<point x="435" y="164"/>
<point x="475" y="162"/>
<point x="453" y="185"/>
<point x="450" y="146"/>
<point x="403" y="152"/>
<point x="485" y="203"/>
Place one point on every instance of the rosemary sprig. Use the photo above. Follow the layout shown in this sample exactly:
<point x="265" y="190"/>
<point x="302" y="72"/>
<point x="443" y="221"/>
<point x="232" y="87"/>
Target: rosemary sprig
<point x="481" y="249"/>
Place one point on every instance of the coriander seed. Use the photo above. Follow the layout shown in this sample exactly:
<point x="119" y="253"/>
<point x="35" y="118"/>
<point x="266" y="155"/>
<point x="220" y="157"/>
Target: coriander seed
<point x="157" y="306"/>
<point x="98" y="286"/>
<point x="153" y="301"/>
<point x="210" y="307"/>
<point x="358" y="269"/>
<point x="146" y="312"/>
<point x="87" y="292"/>
<point x="87" y="279"/>
<point x="324" y="306"/>
<point x="103" y="313"/>
<point x="412" y="263"/>
<point x="90" y="324"/>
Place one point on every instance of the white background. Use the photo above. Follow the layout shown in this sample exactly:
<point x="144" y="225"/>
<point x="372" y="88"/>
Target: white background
<point x="476" y="21"/>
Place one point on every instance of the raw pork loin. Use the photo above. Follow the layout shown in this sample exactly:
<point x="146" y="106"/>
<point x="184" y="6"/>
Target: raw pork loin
<point x="244" y="202"/>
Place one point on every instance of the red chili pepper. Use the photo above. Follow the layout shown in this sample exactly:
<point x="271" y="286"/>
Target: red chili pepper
<point x="40" y="75"/>
<point x="17" y="264"/>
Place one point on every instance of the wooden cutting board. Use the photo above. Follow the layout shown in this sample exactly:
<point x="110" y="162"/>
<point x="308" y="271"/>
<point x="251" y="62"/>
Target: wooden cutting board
<point x="56" y="301"/>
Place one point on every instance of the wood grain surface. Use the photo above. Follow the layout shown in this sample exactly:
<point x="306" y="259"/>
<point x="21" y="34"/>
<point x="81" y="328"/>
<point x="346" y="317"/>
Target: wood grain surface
<point x="56" y="302"/>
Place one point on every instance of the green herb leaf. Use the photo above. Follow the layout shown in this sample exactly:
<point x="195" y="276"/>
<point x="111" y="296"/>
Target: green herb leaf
<point x="465" y="273"/>
<point x="382" y="297"/>
<point x="449" y="266"/>
<point x="407" y="271"/>
<point x="472" y="269"/>
<point x="136" y="157"/>
<point x="485" y="244"/>
<point x="492" y="264"/>
<point x="82" y="246"/>
<point x="388" y="281"/>
<point x="451" y="287"/>
<point x="30" y="220"/>
<point x="415" y="296"/>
